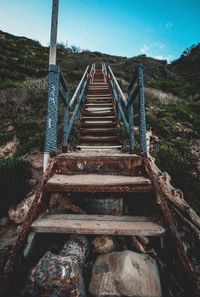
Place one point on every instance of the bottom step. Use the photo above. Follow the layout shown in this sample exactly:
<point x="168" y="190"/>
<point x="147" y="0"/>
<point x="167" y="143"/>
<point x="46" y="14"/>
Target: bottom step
<point x="99" y="147"/>
<point x="97" y="224"/>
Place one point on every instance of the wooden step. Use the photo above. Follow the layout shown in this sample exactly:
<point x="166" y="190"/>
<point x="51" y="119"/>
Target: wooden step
<point x="98" y="119"/>
<point x="109" y="164"/>
<point x="98" y="95"/>
<point x="98" y="87"/>
<point x="98" y="113"/>
<point x="104" y="131"/>
<point x="98" y="101"/>
<point x="90" y="105"/>
<point x="99" y="109"/>
<point x="98" y="124"/>
<point x="99" y="139"/>
<point x="98" y="183"/>
<point x="97" y="224"/>
<point x="99" y="148"/>
<point x="103" y="144"/>
<point x="98" y="92"/>
<point x="98" y="84"/>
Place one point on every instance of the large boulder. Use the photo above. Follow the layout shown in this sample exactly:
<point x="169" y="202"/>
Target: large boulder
<point x="59" y="275"/>
<point x="125" y="273"/>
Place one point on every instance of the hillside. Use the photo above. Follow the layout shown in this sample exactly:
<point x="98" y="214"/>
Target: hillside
<point x="21" y="58"/>
<point x="23" y="94"/>
<point x="188" y="67"/>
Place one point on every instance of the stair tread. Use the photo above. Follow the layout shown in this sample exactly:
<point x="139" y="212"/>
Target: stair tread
<point x="98" y="130"/>
<point x="103" y="144"/>
<point x="98" y="104"/>
<point x="99" y="109"/>
<point x="99" y="147"/>
<point x="88" y="112"/>
<point x="97" y="224"/>
<point x="93" y="138"/>
<point x="97" y="117"/>
<point x="98" y="183"/>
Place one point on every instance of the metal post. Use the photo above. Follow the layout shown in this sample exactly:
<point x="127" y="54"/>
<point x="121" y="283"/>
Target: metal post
<point x="66" y="124"/>
<point x="131" y="127"/>
<point x="53" y="38"/>
<point x="143" y="141"/>
<point x="52" y="89"/>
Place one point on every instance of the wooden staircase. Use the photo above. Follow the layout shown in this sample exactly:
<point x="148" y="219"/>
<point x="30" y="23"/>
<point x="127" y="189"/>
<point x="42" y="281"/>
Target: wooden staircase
<point x="108" y="172"/>
<point x="111" y="173"/>
<point x="95" y="170"/>
<point x="99" y="123"/>
<point x="98" y="171"/>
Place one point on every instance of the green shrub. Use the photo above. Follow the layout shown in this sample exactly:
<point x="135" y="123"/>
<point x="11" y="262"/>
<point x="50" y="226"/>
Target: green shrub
<point x="175" y="160"/>
<point x="30" y="134"/>
<point x="4" y="137"/>
<point x="14" y="175"/>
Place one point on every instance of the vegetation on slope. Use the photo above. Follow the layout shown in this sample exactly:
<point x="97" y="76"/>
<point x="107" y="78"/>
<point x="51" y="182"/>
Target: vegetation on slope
<point x="23" y="94"/>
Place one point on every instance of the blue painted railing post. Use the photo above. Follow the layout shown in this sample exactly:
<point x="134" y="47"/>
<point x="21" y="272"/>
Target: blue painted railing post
<point x="52" y="109"/>
<point x="131" y="128"/>
<point x="66" y="123"/>
<point x="142" y="131"/>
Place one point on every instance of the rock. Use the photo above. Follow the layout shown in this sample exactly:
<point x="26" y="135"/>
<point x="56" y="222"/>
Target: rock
<point x="59" y="204"/>
<point x="9" y="149"/>
<point x="8" y="235"/>
<point x="125" y="273"/>
<point x="136" y="245"/>
<point x="19" y="213"/>
<point x="4" y="221"/>
<point x="60" y="275"/>
<point x="36" y="161"/>
<point x="103" y="244"/>
<point x="33" y="182"/>
<point x="10" y="128"/>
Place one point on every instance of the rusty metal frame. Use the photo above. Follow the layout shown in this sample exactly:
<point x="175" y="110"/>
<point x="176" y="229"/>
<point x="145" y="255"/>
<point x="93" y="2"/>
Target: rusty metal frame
<point x="190" y="278"/>
<point x="38" y="206"/>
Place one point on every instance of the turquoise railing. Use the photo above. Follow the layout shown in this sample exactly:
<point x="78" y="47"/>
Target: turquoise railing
<point x="58" y="89"/>
<point x="125" y="108"/>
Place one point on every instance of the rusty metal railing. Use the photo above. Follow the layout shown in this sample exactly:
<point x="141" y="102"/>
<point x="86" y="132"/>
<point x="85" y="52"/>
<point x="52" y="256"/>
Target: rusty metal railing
<point x="58" y="89"/>
<point x="125" y="106"/>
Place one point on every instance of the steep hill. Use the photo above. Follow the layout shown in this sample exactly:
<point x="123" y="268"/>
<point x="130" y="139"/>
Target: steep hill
<point x="21" y="57"/>
<point x="23" y="95"/>
<point x="188" y="67"/>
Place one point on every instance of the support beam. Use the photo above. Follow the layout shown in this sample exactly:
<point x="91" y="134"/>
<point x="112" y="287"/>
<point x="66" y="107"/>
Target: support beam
<point x="53" y="38"/>
<point x="52" y="61"/>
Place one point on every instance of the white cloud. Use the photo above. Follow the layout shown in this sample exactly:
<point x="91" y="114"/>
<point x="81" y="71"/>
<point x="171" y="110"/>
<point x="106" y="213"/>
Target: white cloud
<point x="144" y="49"/>
<point x="168" y="25"/>
<point x="161" y="46"/>
<point x="161" y="57"/>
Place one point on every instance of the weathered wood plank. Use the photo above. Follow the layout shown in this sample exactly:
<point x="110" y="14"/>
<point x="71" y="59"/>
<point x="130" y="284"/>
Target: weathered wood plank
<point x="115" y="164"/>
<point x="98" y="183"/>
<point x="81" y="217"/>
<point x="93" y="224"/>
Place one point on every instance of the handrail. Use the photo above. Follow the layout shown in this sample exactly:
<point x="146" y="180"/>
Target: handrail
<point x="135" y="89"/>
<point x="104" y="71"/>
<point x="78" y="88"/>
<point x="92" y="72"/>
<point x="117" y="85"/>
<point x="57" y="88"/>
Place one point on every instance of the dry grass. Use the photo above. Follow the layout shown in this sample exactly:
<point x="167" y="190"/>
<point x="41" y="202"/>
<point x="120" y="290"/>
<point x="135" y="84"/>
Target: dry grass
<point x="154" y="94"/>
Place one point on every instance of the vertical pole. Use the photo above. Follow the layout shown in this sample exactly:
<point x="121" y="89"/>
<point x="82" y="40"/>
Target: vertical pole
<point x="131" y="127"/>
<point x="143" y="141"/>
<point x="53" y="91"/>
<point x="66" y="124"/>
<point x="53" y="38"/>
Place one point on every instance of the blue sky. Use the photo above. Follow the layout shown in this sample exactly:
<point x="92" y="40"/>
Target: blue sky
<point x="158" y="28"/>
